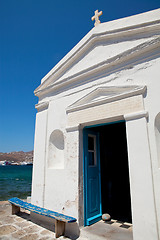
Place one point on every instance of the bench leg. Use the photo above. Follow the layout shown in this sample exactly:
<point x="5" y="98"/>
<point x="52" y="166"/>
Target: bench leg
<point x="59" y="228"/>
<point x="15" y="209"/>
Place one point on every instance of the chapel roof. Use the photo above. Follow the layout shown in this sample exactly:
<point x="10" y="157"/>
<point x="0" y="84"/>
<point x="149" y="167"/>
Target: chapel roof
<point x="143" y="23"/>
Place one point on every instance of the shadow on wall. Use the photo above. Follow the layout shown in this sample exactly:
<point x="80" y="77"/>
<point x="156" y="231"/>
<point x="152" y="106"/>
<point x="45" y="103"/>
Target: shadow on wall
<point x="157" y="134"/>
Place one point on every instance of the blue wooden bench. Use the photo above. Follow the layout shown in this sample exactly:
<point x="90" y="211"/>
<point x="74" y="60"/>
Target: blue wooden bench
<point x="60" y="219"/>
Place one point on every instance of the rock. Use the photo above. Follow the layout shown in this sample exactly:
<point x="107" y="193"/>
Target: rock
<point x="106" y="217"/>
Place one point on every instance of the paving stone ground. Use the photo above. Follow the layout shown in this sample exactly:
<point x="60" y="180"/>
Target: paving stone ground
<point x="13" y="227"/>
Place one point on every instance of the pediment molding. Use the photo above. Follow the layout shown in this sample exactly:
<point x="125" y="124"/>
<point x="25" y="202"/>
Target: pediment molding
<point x="129" y="58"/>
<point x="142" y="30"/>
<point x="104" y="95"/>
<point x="115" y="56"/>
<point x="42" y="106"/>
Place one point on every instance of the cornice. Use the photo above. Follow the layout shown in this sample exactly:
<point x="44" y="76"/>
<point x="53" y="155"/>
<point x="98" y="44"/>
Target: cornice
<point x="41" y="106"/>
<point x="136" y="115"/>
<point x="118" y="93"/>
<point x="138" y="26"/>
<point x="72" y="129"/>
<point x="143" y="51"/>
<point x="96" y="36"/>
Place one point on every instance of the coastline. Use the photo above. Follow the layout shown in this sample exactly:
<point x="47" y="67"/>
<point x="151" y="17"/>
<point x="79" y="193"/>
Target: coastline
<point x="16" y="158"/>
<point x="6" y="163"/>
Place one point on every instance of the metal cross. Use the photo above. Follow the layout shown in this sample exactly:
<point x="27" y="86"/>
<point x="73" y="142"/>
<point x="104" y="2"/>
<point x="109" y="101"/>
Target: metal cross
<point x="96" y="17"/>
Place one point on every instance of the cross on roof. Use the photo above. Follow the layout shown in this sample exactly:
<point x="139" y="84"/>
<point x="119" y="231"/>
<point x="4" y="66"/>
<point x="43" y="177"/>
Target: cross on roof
<point x="96" y="17"/>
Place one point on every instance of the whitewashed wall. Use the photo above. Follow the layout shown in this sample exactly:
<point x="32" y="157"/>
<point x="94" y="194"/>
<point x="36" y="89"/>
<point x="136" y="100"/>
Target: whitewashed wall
<point x="57" y="174"/>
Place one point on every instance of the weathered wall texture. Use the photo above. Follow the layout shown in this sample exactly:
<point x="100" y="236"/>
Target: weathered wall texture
<point x="122" y="53"/>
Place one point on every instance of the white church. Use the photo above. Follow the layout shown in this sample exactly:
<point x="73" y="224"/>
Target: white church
<point x="97" y="135"/>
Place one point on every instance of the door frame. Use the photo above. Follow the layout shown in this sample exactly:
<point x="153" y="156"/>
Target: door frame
<point x="85" y="174"/>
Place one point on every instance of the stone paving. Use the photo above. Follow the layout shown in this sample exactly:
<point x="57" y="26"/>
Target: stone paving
<point x="13" y="227"/>
<point x="112" y="230"/>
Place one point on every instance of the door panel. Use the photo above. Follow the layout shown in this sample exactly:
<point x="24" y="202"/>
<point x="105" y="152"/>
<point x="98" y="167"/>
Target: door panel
<point x="93" y="198"/>
<point x="92" y="184"/>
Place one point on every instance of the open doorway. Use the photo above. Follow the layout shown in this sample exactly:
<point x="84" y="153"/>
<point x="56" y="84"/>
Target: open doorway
<point x="115" y="185"/>
<point x="106" y="173"/>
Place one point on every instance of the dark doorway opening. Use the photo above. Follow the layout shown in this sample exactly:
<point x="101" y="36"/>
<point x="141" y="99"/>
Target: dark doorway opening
<point x="115" y="185"/>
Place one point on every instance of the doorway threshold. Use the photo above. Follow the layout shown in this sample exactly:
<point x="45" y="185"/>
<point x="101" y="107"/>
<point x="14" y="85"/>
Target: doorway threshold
<point x="109" y="230"/>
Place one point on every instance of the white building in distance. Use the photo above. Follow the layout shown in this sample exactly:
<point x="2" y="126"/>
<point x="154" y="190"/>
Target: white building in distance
<point x="97" y="136"/>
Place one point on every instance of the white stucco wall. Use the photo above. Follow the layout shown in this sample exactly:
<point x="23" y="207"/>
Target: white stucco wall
<point x="57" y="184"/>
<point x="142" y="192"/>
<point x="38" y="175"/>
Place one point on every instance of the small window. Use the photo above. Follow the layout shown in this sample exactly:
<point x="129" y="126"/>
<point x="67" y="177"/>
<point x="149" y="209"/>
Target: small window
<point x="91" y="143"/>
<point x="92" y="150"/>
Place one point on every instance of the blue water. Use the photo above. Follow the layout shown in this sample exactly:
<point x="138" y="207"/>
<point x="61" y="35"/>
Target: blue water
<point x="15" y="181"/>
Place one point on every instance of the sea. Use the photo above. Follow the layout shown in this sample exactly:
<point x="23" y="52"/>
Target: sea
<point x="15" y="181"/>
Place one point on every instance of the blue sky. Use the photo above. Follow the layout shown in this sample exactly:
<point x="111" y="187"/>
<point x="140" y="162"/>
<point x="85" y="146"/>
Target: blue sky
<point x="34" y="36"/>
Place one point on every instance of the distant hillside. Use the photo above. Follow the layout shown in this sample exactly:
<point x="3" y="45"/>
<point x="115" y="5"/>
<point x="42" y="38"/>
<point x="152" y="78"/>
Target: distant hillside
<point x="17" y="157"/>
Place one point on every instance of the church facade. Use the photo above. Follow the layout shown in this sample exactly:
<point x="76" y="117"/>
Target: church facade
<point x="97" y="135"/>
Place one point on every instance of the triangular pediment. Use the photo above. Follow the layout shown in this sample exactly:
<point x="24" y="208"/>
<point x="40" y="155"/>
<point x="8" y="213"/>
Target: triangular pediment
<point x="111" y="44"/>
<point x="102" y="53"/>
<point x="103" y="95"/>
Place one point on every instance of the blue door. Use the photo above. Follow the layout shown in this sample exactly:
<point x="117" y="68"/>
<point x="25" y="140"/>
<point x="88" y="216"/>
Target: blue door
<point x="92" y="181"/>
